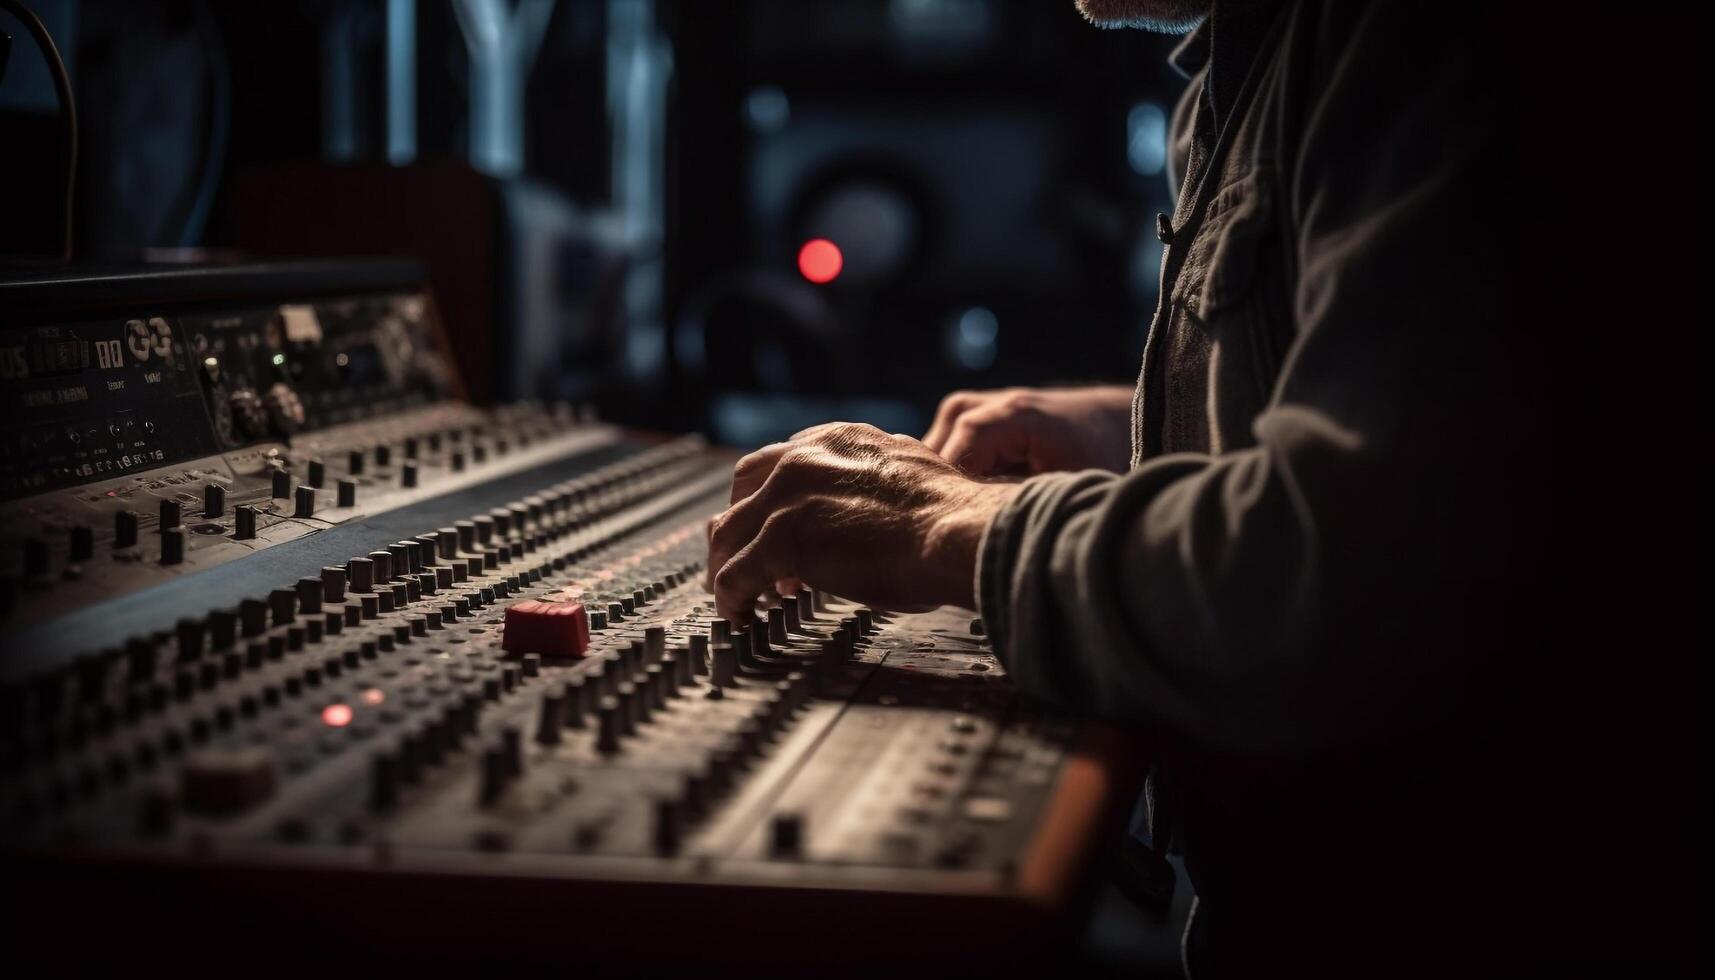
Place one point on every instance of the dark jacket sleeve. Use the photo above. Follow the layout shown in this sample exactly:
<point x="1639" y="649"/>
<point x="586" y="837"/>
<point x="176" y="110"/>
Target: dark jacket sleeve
<point x="1347" y="575"/>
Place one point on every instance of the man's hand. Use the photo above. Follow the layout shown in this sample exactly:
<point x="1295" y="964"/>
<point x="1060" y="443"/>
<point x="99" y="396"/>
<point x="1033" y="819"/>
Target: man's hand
<point x="848" y="508"/>
<point x="1025" y="431"/>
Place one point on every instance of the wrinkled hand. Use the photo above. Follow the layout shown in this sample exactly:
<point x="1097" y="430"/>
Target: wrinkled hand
<point x="1025" y="431"/>
<point x="848" y="508"/>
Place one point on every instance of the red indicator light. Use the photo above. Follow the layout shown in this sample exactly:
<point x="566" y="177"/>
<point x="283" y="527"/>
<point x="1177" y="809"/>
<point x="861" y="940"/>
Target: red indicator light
<point x="336" y="715"/>
<point x="820" y="260"/>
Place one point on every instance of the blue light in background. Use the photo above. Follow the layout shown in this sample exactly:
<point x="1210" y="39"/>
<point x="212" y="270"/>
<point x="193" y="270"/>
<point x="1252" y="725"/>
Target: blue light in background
<point x="1146" y="138"/>
<point x="767" y="109"/>
<point x="401" y="81"/>
<point x="971" y="338"/>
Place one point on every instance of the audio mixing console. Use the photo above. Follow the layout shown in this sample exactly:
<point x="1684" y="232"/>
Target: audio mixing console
<point x="298" y="644"/>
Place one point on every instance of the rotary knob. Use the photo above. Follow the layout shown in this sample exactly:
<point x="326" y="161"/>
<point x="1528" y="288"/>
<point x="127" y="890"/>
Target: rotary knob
<point x="248" y="413"/>
<point x="285" y="409"/>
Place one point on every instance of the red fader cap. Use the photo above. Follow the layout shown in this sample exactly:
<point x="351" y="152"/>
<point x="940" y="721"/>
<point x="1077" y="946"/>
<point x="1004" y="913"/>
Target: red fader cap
<point x="552" y="629"/>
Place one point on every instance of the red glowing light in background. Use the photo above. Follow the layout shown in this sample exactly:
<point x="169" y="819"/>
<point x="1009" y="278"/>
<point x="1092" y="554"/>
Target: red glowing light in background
<point x="336" y="715"/>
<point x="820" y="260"/>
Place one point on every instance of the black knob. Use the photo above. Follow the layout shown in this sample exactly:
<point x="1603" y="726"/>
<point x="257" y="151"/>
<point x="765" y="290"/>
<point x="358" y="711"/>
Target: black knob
<point x="725" y="665"/>
<point x="190" y="633"/>
<point x="82" y="542"/>
<point x="333" y="584"/>
<point x="457" y="461"/>
<point x="494" y="774"/>
<point x="410" y="447"/>
<point x="786" y="835"/>
<point x="777" y="625"/>
<point x="401" y="558"/>
<point x="431" y="545"/>
<point x="698" y="659"/>
<point x="305" y="502"/>
<point x="383" y="455"/>
<point x="172" y="514"/>
<point x="467" y="535"/>
<point x="669" y="821"/>
<point x="309" y="592"/>
<point x="362" y="574"/>
<point x="866" y="620"/>
<point x="348" y="493"/>
<point x="213" y="501"/>
<point x="573" y="704"/>
<point x="124" y="529"/>
<point x="172" y="546"/>
<point x="408" y="475"/>
<point x="283" y="603"/>
<point x="252" y="617"/>
<point x="512" y="746"/>
<point x="244" y="522"/>
<point x="484" y="528"/>
<point x="384" y="772"/>
<point x="282" y="484"/>
<point x="222" y="628"/>
<point x="607" y="725"/>
<point x="552" y="718"/>
<point x="383" y="562"/>
<point x="354" y="462"/>
<point x="317" y="474"/>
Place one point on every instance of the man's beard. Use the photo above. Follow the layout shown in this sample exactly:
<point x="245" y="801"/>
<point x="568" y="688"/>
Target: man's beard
<point x="1164" y="16"/>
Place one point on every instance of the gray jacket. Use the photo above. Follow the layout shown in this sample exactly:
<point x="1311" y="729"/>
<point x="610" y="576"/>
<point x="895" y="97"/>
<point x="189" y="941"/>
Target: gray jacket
<point x="1324" y="577"/>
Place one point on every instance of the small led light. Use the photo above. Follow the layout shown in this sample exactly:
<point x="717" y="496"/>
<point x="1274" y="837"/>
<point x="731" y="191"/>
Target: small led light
<point x="820" y="260"/>
<point x="336" y="715"/>
<point x="279" y="359"/>
<point x="373" y="695"/>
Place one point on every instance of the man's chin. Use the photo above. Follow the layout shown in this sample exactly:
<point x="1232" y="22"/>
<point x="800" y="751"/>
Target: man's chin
<point x="1164" y="16"/>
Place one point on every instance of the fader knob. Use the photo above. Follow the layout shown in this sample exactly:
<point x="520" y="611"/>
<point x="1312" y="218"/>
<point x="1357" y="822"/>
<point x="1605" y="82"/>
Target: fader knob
<point x="786" y="835"/>
<point x="551" y="720"/>
<point x="305" y="502"/>
<point x="408" y="475"/>
<point x="361" y="572"/>
<point x="283" y="604"/>
<point x="309" y="590"/>
<point x="172" y="546"/>
<point x="282" y="484"/>
<point x="384" y="772"/>
<point x="725" y="665"/>
<point x="190" y="633"/>
<point x="383" y="455"/>
<point x="225" y="781"/>
<point x="333" y="584"/>
<point x="82" y="543"/>
<point x="124" y="529"/>
<point x="213" y="501"/>
<point x="354" y="462"/>
<point x="348" y="493"/>
<point x="607" y="725"/>
<point x="699" y="654"/>
<point x="494" y="773"/>
<point x="252" y="617"/>
<point x="669" y="827"/>
<point x="244" y="522"/>
<point x="172" y="514"/>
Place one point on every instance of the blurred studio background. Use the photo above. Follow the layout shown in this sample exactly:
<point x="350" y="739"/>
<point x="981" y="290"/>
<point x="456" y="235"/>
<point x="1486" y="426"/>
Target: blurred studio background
<point x="740" y="217"/>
